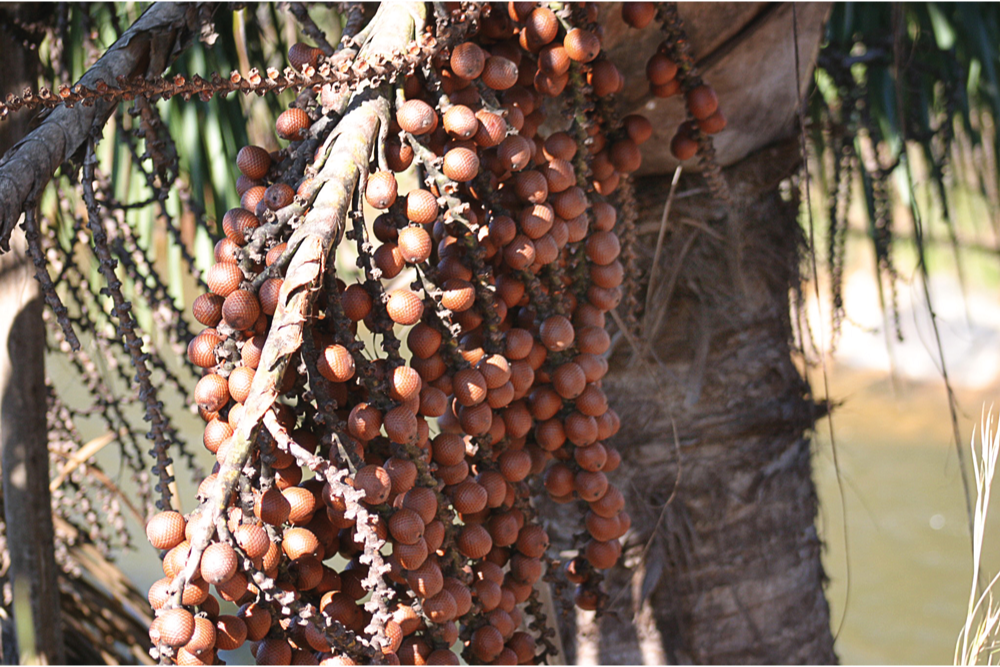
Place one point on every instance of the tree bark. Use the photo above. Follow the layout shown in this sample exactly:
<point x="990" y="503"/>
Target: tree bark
<point x="722" y="564"/>
<point x="24" y="455"/>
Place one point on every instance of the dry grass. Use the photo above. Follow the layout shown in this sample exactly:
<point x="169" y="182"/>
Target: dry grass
<point x="978" y="640"/>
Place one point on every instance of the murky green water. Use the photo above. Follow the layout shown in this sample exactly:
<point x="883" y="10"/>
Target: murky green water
<point x="909" y="546"/>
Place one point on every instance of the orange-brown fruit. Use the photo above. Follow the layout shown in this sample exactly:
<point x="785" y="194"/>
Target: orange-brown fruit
<point x="461" y="164"/>
<point x="602" y="555"/>
<point x="279" y="196"/>
<point x="274" y="652"/>
<point x="605" y="78"/>
<point x="166" y="530"/>
<point x="218" y="563"/>
<point x="357" y="302"/>
<point x="467" y="60"/>
<point x="381" y="190"/>
<point x="603" y="247"/>
<point x="301" y="503"/>
<point x="474" y="541"/>
<point x="421" y="206"/>
<point x="364" y="422"/>
<point x="253" y="161"/>
<point x="240" y="310"/>
<point x="292" y="123"/>
<point x="683" y="145"/>
<point x="335" y="363"/>
<point x="414" y="244"/>
<point x="398" y="155"/>
<point x="223" y="279"/>
<point x="375" y="482"/>
<point x="230" y="632"/>
<point x="582" y="45"/>
<point x="514" y="152"/>
<point x="299" y="542"/>
<point x="253" y="197"/>
<point x="272" y="507"/>
<point x="553" y="60"/>
<point x="401" y="425"/>
<point x="702" y="101"/>
<point x="713" y="124"/>
<point x="638" y="14"/>
<point x="660" y="70"/>
<point x="499" y="73"/>
<point x="257" y="619"/>
<point x="421" y="500"/>
<point x="404" y="307"/>
<point x="211" y="393"/>
<point x="389" y="260"/>
<point x="460" y="121"/>
<point x="416" y="117"/>
<point x="486" y="643"/>
<point x="252" y="539"/>
<point x="540" y="28"/>
<point x="441" y="608"/>
<point x="423" y="340"/>
<point x="469" y="497"/>
<point x="174" y="627"/>
<point x="406" y="526"/>
<point x="625" y="156"/>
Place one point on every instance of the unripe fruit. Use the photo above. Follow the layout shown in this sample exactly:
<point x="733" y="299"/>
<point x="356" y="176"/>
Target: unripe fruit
<point x="291" y="124"/>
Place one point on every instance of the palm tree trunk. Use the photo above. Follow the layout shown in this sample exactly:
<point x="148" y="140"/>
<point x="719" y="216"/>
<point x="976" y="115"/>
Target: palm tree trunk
<point x="723" y="561"/>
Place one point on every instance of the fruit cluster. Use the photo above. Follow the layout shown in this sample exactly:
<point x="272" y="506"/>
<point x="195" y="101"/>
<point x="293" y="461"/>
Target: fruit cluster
<point x="513" y="256"/>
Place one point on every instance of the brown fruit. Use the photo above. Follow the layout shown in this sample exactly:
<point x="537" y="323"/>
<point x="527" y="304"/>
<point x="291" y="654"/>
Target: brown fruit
<point x="272" y="507"/>
<point x="253" y="197"/>
<point x="380" y="192"/>
<point x="401" y="425"/>
<point x="605" y="78"/>
<point x="638" y="14"/>
<point x="582" y="45"/>
<point x="357" y="302"/>
<point x="175" y="627"/>
<point x="499" y="73"/>
<point x="426" y="580"/>
<point x="166" y="530"/>
<point x="660" y="70"/>
<point x="274" y="652"/>
<point x="474" y="541"/>
<point x="404" y="307"/>
<point x="416" y="117"/>
<point x="230" y="632"/>
<point x="218" y="563"/>
<point x="291" y="124"/>
<point x="406" y="526"/>
<point x="467" y="60"/>
<point x="441" y="608"/>
<point x="486" y="643"/>
<point x="300" y="54"/>
<point x="335" y="363"/>
<point x="364" y="422"/>
<point x="253" y="161"/>
<point x="460" y="121"/>
<point x="625" y="156"/>
<point x="252" y="539"/>
<point x="278" y="196"/>
<point x="211" y="393"/>
<point x="421" y="207"/>
<point x="414" y="244"/>
<point x="422" y="501"/>
<point x="240" y="310"/>
<point x="398" y="155"/>
<point x="702" y="102"/>
<point x="713" y="124"/>
<point x="461" y="164"/>
<point x="224" y="279"/>
<point x="375" y="483"/>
